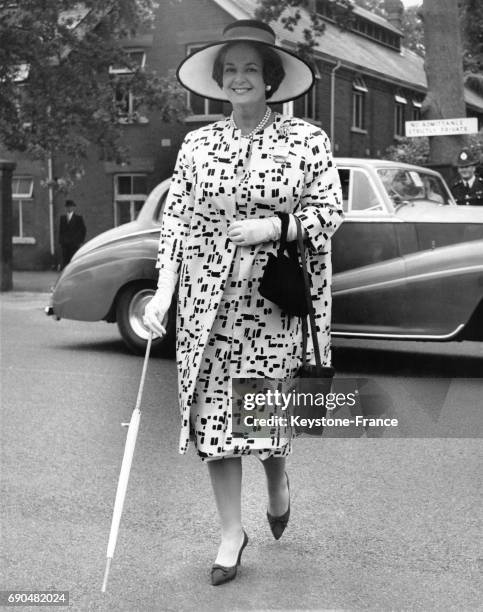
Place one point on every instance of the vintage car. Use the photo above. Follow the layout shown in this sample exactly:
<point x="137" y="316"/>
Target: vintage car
<point x="407" y="262"/>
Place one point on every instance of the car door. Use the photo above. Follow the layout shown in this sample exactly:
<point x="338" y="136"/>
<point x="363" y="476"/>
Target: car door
<point x="443" y="276"/>
<point x="368" y="270"/>
<point x="440" y="245"/>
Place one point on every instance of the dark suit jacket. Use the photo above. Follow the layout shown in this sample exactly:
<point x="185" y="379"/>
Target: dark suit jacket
<point x="72" y="232"/>
<point x="472" y="196"/>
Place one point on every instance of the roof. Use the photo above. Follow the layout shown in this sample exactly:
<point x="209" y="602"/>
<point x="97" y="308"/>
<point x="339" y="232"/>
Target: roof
<point x="370" y="16"/>
<point x="357" y="52"/>
<point x="247" y="8"/>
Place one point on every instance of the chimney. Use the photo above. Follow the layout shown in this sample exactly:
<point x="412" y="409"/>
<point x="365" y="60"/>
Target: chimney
<point x="394" y="10"/>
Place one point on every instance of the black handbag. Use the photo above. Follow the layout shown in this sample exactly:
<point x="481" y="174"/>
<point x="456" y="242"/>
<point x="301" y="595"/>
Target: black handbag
<point x="283" y="280"/>
<point x="310" y="379"/>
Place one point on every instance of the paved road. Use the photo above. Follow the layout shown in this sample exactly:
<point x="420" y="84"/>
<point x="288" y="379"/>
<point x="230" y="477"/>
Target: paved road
<point x="376" y="523"/>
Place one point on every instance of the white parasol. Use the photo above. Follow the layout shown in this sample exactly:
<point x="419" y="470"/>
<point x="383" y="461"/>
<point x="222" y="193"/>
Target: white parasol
<point x="125" y="468"/>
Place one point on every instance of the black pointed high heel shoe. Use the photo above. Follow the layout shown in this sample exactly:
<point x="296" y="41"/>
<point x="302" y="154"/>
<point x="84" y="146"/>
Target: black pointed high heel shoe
<point x="221" y="573"/>
<point x="278" y="523"/>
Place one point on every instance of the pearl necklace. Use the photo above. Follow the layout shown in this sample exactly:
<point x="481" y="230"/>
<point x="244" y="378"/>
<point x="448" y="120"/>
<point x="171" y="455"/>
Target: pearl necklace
<point x="259" y="127"/>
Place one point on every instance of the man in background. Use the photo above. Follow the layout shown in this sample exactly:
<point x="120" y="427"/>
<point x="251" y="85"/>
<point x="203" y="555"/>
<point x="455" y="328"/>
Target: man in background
<point x="72" y="232"/>
<point x="468" y="188"/>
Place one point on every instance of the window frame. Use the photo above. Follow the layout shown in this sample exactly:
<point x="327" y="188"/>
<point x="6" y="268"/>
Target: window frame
<point x="206" y="115"/>
<point x="20" y="199"/>
<point x="380" y="213"/>
<point x="125" y="69"/>
<point x="314" y="98"/>
<point x="359" y="92"/>
<point x="400" y="107"/>
<point x="123" y="74"/>
<point x="132" y="198"/>
<point x="363" y="26"/>
<point x="130" y="115"/>
<point x="416" y="110"/>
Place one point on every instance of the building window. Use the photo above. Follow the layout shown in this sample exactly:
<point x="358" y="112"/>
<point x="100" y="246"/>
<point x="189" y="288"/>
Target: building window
<point x="22" y="195"/>
<point x="324" y="8"/>
<point x="362" y="25"/>
<point x="359" y="91"/>
<point x="310" y="101"/>
<point x="135" y="60"/>
<point x="198" y="104"/>
<point x="416" y="110"/>
<point x="130" y="192"/>
<point x="399" y="114"/>
<point x="358" y="110"/>
<point x="127" y="105"/>
<point x="310" y="104"/>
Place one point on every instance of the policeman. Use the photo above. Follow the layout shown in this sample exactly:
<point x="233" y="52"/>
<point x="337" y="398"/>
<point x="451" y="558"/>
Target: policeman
<point x="468" y="188"/>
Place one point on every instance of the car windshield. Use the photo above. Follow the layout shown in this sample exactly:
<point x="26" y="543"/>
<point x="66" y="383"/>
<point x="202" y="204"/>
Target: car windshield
<point x="403" y="185"/>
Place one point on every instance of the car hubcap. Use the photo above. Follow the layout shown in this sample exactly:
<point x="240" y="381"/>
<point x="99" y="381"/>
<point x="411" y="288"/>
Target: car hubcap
<point x="136" y="312"/>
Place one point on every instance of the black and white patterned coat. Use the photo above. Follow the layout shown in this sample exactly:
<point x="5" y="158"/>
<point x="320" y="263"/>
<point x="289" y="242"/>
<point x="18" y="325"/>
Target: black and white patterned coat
<point x="290" y="169"/>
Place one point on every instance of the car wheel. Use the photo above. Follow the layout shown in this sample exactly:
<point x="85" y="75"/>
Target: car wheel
<point x="130" y="306"/>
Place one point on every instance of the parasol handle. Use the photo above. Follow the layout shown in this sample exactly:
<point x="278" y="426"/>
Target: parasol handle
<point x="143" y="373"/>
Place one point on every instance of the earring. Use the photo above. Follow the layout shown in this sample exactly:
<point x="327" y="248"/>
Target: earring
<point x="268" y="87"/>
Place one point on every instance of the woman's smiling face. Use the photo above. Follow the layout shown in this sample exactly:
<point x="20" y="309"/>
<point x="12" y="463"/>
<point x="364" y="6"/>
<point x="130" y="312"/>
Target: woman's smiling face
<point x="243" y="75"/>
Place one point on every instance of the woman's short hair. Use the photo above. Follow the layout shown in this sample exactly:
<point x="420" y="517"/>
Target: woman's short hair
<point x="273" y="71"/>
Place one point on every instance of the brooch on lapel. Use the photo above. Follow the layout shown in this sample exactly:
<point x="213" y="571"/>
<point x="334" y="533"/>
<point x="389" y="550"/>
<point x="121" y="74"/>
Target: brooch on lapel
<point x="280" y="153"/>
<point x="284" y="130"/>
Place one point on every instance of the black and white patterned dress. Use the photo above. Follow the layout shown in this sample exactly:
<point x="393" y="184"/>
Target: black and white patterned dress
<point x="225" y="328"/>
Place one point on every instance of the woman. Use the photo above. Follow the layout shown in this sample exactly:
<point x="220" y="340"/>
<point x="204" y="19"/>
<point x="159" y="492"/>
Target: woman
<point x="219" y="225"/>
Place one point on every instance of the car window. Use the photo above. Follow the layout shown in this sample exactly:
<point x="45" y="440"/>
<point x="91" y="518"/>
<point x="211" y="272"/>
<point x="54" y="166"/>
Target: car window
<point x="364" y="197"/>
<point x="434" y="191"/>
<point x="344" y="175"/>
<point x="405" y="185"/>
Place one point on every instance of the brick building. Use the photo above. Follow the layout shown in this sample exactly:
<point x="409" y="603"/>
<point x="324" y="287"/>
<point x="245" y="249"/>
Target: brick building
<point x="367" y="86"/>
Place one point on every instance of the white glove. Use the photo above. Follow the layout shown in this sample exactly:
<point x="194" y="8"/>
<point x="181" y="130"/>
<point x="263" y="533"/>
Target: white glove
<point x="254" y="231"/>
<point x="157" y="308"/>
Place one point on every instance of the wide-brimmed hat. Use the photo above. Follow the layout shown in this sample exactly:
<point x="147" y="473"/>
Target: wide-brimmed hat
<point x="466" y="158"/>
<point x="195" y="72"/>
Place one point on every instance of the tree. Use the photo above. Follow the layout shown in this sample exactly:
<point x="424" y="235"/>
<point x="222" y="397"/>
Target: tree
<point x="412" y="26"/>
<point x="444" y="73"/>
<point x="472" y="29"/>
<point x="57" y="97"/>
